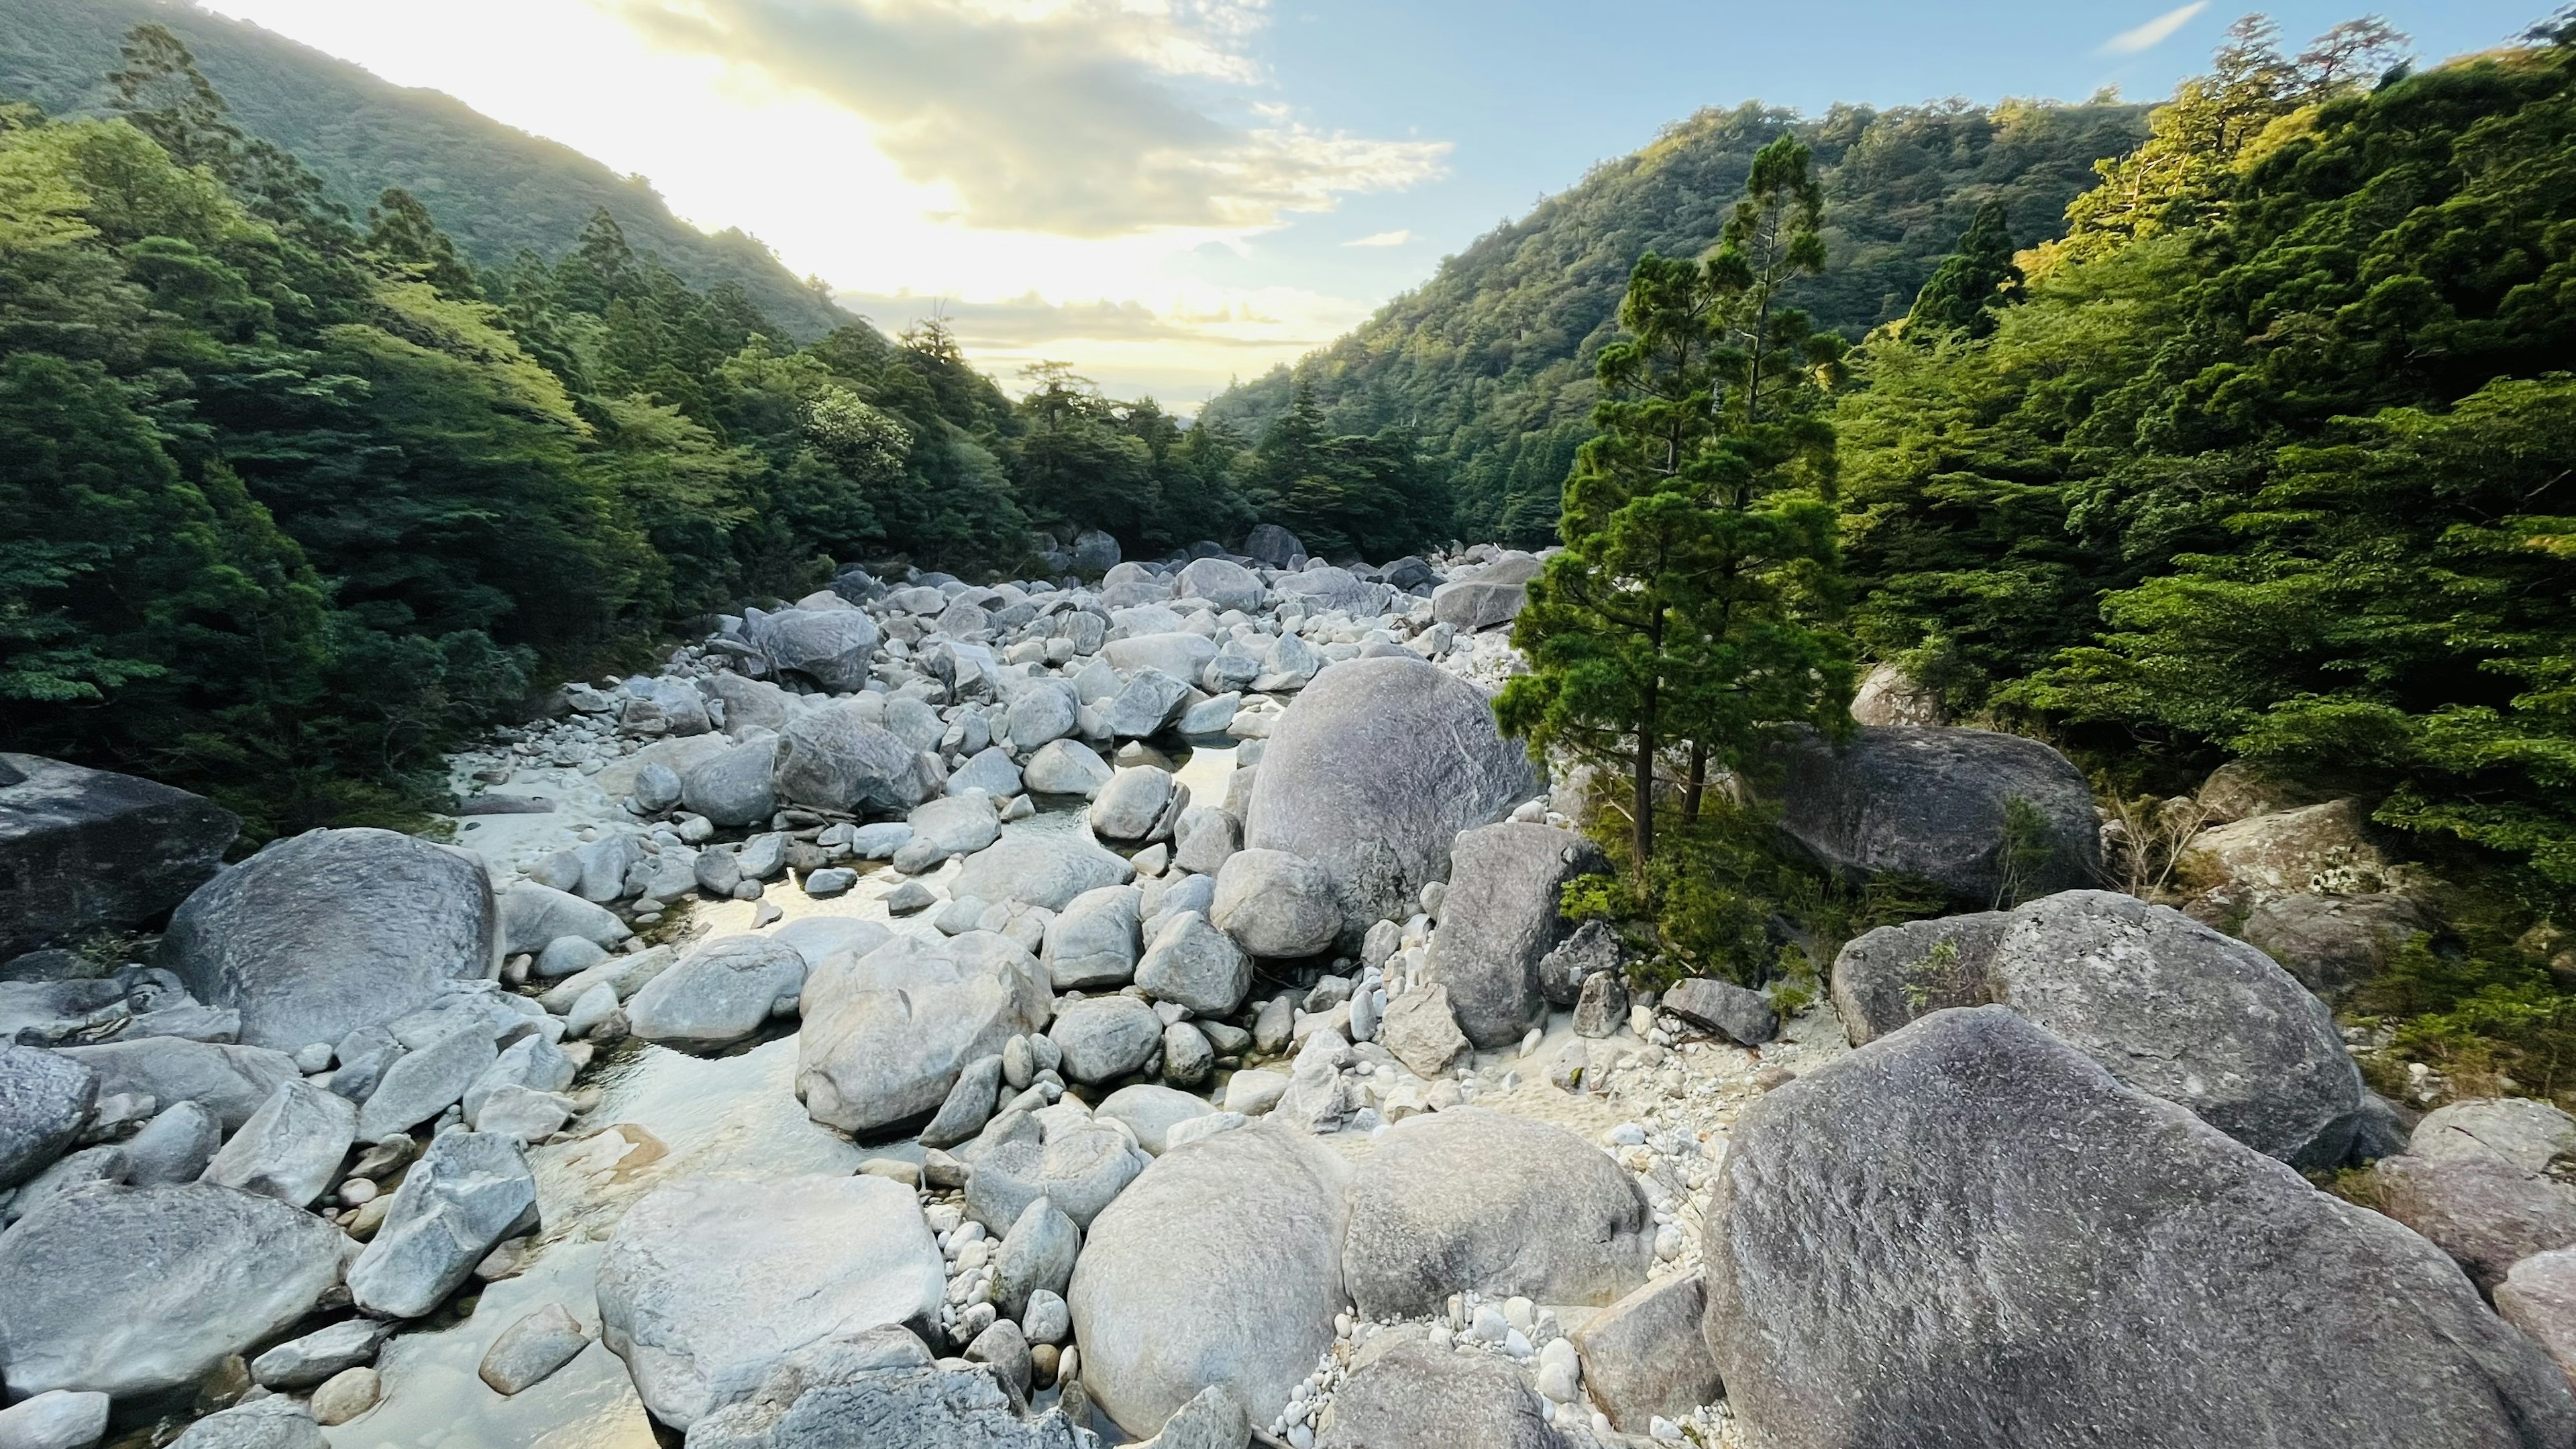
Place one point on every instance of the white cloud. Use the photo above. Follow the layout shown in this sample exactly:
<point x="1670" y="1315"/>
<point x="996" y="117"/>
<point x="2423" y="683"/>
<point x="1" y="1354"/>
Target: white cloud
<point x="1382" y="239"/>
<point x="2155" y="32"/>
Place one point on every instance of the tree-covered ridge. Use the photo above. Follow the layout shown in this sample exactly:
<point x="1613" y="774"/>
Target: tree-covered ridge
<point x="496" y="190"/>
<point x="1490" y="364"/>
<point x="2273" y="460"/>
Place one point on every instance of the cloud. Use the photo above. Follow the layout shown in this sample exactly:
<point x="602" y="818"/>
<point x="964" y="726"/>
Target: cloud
<point x="1084" y="118"/>
<point x="1382" y="239"/>
<point x="2155" y="32"/>
<point x="1030" y="322"/>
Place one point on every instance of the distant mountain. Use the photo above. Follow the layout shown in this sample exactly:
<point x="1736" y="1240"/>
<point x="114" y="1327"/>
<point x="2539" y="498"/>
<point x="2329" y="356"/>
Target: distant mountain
<point x="496" y="190"/>
<point x="1490" y="362"/>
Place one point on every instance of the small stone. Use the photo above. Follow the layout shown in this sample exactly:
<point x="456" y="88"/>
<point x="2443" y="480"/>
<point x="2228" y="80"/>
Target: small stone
<point x="346" y="1395"/>
<point x="1046" y="1320"/>
<point x="530" y="1350"/>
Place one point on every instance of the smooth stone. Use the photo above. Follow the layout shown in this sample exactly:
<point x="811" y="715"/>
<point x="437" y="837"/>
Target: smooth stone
<point x="530" y="1350"/>
<point x="174" y="1146"/>
<point x="291" y="1148"/>
<point x="83" y="848"/>
<point x="346" y="1395"/>
<point x="1415" y="1396"/>
<point x="1643" y="1357"/>
<point x="534" y="916"/>
<point x="1065" y="767"/>
<point x="1504" y="885"/>
<point x="721" y="992"/>
<point x="969" y="1104"/>
<point x="272" y="1423"/>
<point x="230" y="1081"/>
<point x="1422" y="1031"/>
<point x="55" y="1419"/>
<point x="468" y="1192"/>
<point x="1044" y="871"/>
<point x="1152" y="1111"/>
<point x="1091" y="943"/>
<point x="424" y="1083"/>
<point x="887" y="1035"/>
<point x="1037" y="1254"/>
<point x="1196" y="965"/>
<point x="1105" y="1037"/>
<point x="303" y="1362"/>
<point x="1737" y="1013"/>
<point x="1081" y="1169"/>
<point x="45" y="1097"/>
<point x="1932" y="802"/>
<point x="1276" y="904"/>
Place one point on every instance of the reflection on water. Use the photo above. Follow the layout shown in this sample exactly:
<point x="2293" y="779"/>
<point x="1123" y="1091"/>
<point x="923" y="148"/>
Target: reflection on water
<point x="663" y="1115"/>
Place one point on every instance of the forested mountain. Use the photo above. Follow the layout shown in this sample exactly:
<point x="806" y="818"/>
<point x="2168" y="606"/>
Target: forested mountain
<point x="1489" y="364"/>
<point x="496" y="190"/>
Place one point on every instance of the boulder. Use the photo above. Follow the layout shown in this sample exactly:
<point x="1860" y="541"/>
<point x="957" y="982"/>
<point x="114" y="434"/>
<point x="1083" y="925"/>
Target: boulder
<point x="271" y="1423"/>
<point x="1179" y="654"/>
<point x="751" y="703"/>
<point x="1222" y="582"/>
<point x="132" y="1290"/>
<point x="2318" y="849"/>
<point x="531" y="1062"/>
<point x="468" y="1192"/>
<point x="838" y="758"/>
<point x="664" y="705"/>
<point x="1501" y="920"/>
<point x="1939" y="804"/>
<point x="1270" y="544"/>
<point x="912" y="1404"/>
<point x="1422" y="1031"/>
<point x="887" y="1034"/>
<point x="1092" y="943"/>
<point x="1152" y="1111"/>
<point x="991" y="771"/>
<point x="1039" y="1248"/>
<point x="1473" y="1200"/>
<point x="55" y="1419"/>
<point x="1144" y="704"/>
<point x="1094" y="552"/>
<point x="1165" y="1299"/>
<point x="1104" y="1038"/>
<point x="1039" y="715"/>
<point x="332" y="930"/>
<point x="1196" y="965"/>
<point x="2333" y="943"/>
<point x="45" y="1098"/>
<point x="1132" y="803"/>
<point x="1046" y="870"/>
<point x="2531" y="1135"/>
<point x="1213" y="1420"/>
<point x="534" y="916"/>
<point x="1065" y="767"/>
<point x="230" y="1081"/>
<point x="720" y="993"/>
<point x="1418" y="1396"/>
<point x="1491" y="595"/>
<point x="955" y="824"/>
<point x="2485" y="1212"/>
<point x="1372" y="773"/>
<point x="735" y="788"/>
<point x="291" y="1148"/>
<point x="421" y="1084"/>
<point x="1079" y="1167"/>
<point x="1329" y="587"/>
<point x="1889" y="976"/>
<point x="1733" y="1012"/>
<point x="1889" y="696"/>
<point x="1276" y="904"/>
<point x="303" y="1362"/>
<point x="82" y="848"/>
<point x="1204" y="838"/>
<point x="2539" y="1297"/>
<point x="2177" y="1010"/>
<point x="1643" y="1357"/>
<point x="173" y="1147"/>
<point x="529" y="1351"/>
<point x="831" y="647"/>
<point x="1592" y="949"/>
<point x="709" y="1285"/>
<point x="1967" y="1232"/>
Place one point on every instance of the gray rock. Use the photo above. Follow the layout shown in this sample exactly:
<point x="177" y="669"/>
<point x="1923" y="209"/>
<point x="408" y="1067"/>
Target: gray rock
<point x="468" y="1192"/>
<point x="735" y="788"/>
<point x="173" y="1147"/>
<point x="529" y="1115"/>
<point x="1643" y="1357"/>
<point x="1373" y="772"/>
<point x="1415" y="1396"/>
<point x="1204" y="839"/>
<point x="886" y="1035"/>
<point x="1105" y="1037"/>
<point x="82" y="848"/>
<point x="1328" y="587"/>
<point x="2179" y="1011"/>
<point x="291" y="1148"/>
<point x="1604" y="1007"/>
<point x="1066" y="767"/>
<point x="230" y="1081"/>
<point x="2333" y="943"/>
<point x="1504" y="884"/>
<point x="1276" y="904"/>
<point x="44" y="1099"/>
<point x="567" y="956"/>
<point x="275" y="1423"/>
<point x="531" y="1062"/>
<point x="751" y="702"/>
<point x="1037" y="1255"/>
<point x="303" y="1362"/>
<point x="1472" y="1199"/>
<point x="424" y="1083"/>
<point x="1187" y="1057"/>
<point x="1144" y="704"/>
<point x="1040" y="715"/>
<point x="1422" y="1031"/>
<point x="1044" y="871"/>
<point x="2539" y="1297"/>
<point x="1731" y="1011"/>
<point x="1592" y="949"/>
<point x="2007" y="1302"/>
<point x="1180" y="655"/>
<point x="132" y="1290"/>
<point x="991" y="771"/>
<point x="1213" y="1420"/>
<point x="1270" y="544"/>
<point x="1196" y="965"/>
<point x="56" y="1419"/>
<point x="838" y="758"/>
<point x="2485" y="1212"/>
<point x="2531" y="1135"/>
<point x="1005" y="1351"/>
<point x="533" y="915"/>
<point x="830" y="881"/>
<point x="1094" y="552"/>
<point x="1165" y="1299"/>
<point x="1934" y="802"/>
<point x="1129" y="805"/>
<point x="968" y="1106"/>
<point x="1046" y="1319"/>
<point x="720" y="993"/>
<point x="1222" y="582"/>
<point x="1895" y="974"/>
<point x="923" y="1406"/>
<point x="832" y="647"/>
<point x="674" y="705"/>
<point x="954" y="825"/>
<point x="1081" y="1167"/>
<point x="332" y="930"/>
<point x="1472" y="604"/>
<point x="708" y="1285"/>
<point x="1151" y="1112"/>
<point x="1092" y="943"/>
<point x="529" y="1351"/>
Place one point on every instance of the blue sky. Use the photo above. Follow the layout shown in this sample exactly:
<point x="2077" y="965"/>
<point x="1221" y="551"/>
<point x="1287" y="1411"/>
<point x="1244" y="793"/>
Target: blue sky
<point x="1166" y="193"/>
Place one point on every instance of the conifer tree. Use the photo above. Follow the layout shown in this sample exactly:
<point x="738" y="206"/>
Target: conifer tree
<point x="1968" y="287"/>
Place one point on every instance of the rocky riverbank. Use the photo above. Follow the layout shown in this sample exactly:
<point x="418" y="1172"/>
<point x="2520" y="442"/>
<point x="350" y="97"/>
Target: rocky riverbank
<point x="1053" y="1014"/>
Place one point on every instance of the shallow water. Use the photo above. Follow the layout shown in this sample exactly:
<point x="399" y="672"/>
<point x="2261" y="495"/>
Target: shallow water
<point x="663" y="1115"/>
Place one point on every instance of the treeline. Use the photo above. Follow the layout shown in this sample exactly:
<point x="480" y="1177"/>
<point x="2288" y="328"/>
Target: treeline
<point x="295" y="498"/>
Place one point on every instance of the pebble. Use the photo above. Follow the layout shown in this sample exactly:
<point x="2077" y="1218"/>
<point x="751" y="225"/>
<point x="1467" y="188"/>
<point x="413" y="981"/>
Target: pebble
<point x="345" y="1395"/>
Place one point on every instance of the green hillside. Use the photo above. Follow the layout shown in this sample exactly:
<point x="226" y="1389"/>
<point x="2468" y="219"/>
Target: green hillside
<point x="496" y="190"/>
<point x="1490" y="362"/>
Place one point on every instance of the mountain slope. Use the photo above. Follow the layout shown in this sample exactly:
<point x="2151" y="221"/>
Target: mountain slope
<point x="496" y="190"/>
<point x="1490" y="362"/>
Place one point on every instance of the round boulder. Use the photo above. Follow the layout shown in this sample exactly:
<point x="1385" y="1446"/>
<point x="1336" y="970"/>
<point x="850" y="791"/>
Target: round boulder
<point x="1276" y="904"/>
<point x="887" y="1034"/>
<point x="1993" y="819"/>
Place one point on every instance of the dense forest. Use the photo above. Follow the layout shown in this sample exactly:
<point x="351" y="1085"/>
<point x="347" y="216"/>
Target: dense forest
<point x="1490" y="363"/>
<point x="496" y="190"/>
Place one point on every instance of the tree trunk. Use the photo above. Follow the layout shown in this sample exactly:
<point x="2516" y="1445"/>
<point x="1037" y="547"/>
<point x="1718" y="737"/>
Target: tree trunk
<point x="1698" y="783"/>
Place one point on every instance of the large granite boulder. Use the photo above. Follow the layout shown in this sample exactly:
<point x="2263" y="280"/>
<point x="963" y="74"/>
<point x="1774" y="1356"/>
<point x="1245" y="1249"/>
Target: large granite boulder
<point x="736" y="788"/>
<point x="131" y="1290"/>
<point x="291" y="1148"/>
<point x="1492" y="595"/>
<point x="1220" y="1264"/>
<point x="831" y="647"/>
<point x="720" y="993"/>
<point x="2532" y="1135"/>
<point x="1045" y="870"/>
<point x="1269" y="543"/>
<point x="838" y="757"/>
<point x="1643" y="1357"/>
<point x="887" y="1034"/>
<point x="332" y="930"/>
<point x="1942" y="805"/>
<point x="1500" y="920"/>
<point x="1222" y="582"/>
<point x="2482" y="1210"/>
<point x="45" y="1098"/>
<point x="1889" y="976"/>
<point x="468" y="1192"/>
<point x="901" y="1405"/>
<point x="2333" y="943"/>
<point x="709" y="1284"/>
<point x="1472" y="1199"/>
<point x="1373" y="771"/>
<point x="1276" y="904"/>
<point x="1415" y="1395"/>
<point x="82" y="848"/>
<point x="2326" y="848"/>
<point x="1967" y="1232"/>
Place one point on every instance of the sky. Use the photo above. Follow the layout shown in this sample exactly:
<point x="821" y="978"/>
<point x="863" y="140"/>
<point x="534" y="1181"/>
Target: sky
<point x="1168" y="194"/>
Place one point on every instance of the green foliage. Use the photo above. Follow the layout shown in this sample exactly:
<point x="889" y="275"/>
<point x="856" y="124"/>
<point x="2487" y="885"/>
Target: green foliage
<point x="1970" y="285"/>
<point x="1491" y="365"/>
<point x="2478" y="1012"/>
